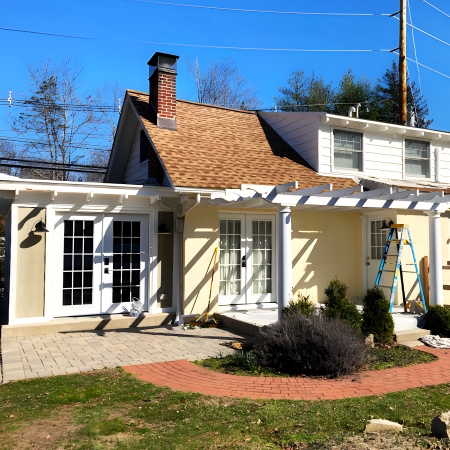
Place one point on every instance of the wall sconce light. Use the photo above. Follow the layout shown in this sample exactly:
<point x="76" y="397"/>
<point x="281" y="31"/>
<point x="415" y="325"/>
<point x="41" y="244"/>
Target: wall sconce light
<point x="387" y="224"/>
<point x="39" y="227"/>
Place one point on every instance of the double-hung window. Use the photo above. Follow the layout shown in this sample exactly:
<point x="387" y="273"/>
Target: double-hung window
<point x="417" y="159"/>
<point x="348" y="148"/>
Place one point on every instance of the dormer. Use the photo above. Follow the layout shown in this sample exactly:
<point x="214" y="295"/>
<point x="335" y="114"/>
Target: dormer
<point x="349" y="147"/>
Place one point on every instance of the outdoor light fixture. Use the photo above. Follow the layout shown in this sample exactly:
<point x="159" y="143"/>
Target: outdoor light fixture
<point x="162" y="229"/>
<point x="387" y="224"/>
<point x="39" y="227"/>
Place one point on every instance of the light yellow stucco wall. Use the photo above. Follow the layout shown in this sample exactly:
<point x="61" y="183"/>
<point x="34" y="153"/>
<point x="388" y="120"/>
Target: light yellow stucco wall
<point x="201" y="237"/>
<point x="419" y="228"/>
<point x="30" y="264"/>
<point x="325" y="245"/>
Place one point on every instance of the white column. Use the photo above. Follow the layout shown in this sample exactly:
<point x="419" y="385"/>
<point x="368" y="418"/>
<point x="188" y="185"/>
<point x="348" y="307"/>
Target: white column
<point x="436" y="284"/>
<point x="284" y="258"/>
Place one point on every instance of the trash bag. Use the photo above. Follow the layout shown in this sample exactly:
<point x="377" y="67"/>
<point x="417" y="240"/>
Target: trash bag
<point x="136" y="307"/>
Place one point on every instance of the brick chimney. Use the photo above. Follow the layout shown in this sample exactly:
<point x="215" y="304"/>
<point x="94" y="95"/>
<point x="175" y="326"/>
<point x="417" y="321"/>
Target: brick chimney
<point x="163" y="88"/>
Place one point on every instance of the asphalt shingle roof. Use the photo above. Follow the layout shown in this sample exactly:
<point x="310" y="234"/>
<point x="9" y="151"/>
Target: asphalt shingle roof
<point x="217" y="147"/>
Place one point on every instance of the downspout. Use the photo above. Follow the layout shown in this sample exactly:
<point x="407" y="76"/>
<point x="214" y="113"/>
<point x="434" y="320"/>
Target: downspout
<point x="437" y="164"/>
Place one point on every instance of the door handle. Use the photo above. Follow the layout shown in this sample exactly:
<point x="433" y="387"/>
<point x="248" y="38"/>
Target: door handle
<point x="244" y="263"/>
<point x="106" y="270"/>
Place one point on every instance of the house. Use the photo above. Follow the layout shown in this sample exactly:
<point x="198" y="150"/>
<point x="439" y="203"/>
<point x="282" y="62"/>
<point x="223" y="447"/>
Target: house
<point x="291" y="200"/>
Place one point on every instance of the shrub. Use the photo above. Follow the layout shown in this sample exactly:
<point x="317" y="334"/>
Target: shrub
<point x="376" y="318"/>
<point x="302" y="305"/>
<point x="338" y="306"/>
<point x="437" y="319"/>
<point x="313" y="345"/>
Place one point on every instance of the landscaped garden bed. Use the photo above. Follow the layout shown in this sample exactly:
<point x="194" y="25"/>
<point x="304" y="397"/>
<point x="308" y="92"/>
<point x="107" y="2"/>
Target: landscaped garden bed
<point x="245" y="363"/>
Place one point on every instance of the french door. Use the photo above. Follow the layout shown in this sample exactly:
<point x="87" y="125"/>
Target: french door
<point x="376" y="240"/>
<point x="102" y="263"/>
<point x="246" y="259"/>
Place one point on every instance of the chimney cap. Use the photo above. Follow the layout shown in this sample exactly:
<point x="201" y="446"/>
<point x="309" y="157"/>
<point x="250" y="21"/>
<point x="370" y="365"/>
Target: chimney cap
<point x="163" y="60"/>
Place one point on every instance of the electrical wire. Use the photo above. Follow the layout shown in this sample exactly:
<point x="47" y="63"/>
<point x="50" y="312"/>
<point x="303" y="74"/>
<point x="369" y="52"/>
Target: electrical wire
<point x="300" y="13"/>
<point x="53" y="163"/>
<point x="415" y="50"/>
<point x="437" y="9"/>
<point x="424" y="32"/>
<point x="49" y="34"/>
<point x="267" y="49"/>
<point x="78" y="145"/>
<point x="426" y="67"/>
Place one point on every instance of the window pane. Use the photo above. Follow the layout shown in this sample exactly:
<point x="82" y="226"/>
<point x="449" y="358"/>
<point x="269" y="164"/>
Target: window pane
<point x="78" y="228"/>
<point x="67" y="262"/>
<point x="417" y="167"/>
<point x="67" y="297"/>
<point x="68" y="228"/>
<point x="89" y="228"/>
<point x="347" y="150"/>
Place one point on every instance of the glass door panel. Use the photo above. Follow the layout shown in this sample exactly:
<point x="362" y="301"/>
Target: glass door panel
<point x="125" y="256"/>
<point x="231" y="282"/>
<point x="77" y="254"/>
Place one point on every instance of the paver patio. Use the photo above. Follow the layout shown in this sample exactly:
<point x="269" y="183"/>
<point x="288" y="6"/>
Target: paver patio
<point x="187" y="377"/>
<point x="66" y="353"/>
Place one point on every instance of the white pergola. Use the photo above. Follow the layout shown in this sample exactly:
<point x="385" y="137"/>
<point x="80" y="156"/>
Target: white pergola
<point x="288" y="196"/>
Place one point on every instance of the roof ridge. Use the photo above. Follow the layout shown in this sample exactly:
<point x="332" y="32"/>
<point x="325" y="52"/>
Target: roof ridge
<point x="199" y="104"/>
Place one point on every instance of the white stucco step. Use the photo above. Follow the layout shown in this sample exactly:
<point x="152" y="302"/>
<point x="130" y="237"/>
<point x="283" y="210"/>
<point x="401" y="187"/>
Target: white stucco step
<point x="86" y="323"/>
<point x="410" y="335"/>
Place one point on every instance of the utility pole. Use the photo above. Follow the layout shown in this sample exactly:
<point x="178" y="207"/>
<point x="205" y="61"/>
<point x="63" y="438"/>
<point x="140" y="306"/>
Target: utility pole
<point x="402" y="64"/>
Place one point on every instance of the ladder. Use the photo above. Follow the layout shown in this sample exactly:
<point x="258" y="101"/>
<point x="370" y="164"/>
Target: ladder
<point x="400" y="236"/>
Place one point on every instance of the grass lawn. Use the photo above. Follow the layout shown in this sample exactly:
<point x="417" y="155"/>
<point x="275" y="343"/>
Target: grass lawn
<point x="241" y="363"/>
<point x="112" y="409"/>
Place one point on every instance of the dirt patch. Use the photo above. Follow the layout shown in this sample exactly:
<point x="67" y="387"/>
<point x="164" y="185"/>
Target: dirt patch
<point x="392" y="442"/>
<point x="41" y="434"/>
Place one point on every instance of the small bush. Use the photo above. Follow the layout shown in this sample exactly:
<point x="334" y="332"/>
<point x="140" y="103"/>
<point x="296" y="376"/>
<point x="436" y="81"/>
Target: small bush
<point x="437" y="319"/>
<point x="302" y="305"/>
<point x="338" y="306"/>
<point x="312" y="345"/>
<point x="376" y="318"/>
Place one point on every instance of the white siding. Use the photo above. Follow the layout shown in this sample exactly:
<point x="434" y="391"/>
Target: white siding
<point x="383" y="152"/>
<point x="301" y="133"/>
<point x="136" y="171"/>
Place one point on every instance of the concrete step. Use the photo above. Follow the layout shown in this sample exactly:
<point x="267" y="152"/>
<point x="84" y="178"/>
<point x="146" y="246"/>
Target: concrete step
<point x="411" y="344"/>
<point x="410" y="335"/>
<point x="87" y="323"/>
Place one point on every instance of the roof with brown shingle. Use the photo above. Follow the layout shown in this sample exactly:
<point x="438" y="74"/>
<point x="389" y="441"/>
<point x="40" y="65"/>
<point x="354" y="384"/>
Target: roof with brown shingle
<point x="216" y="147"/>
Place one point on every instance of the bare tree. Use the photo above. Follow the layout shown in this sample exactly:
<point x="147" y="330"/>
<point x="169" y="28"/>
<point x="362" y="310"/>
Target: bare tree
<point x="58" y="121"/>
<point x="8" y="150"/>
<point x="223" y="85"/>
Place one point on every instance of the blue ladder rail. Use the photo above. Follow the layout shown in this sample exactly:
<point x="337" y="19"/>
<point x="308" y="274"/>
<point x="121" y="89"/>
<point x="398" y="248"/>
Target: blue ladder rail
<point x="400" y="242"/>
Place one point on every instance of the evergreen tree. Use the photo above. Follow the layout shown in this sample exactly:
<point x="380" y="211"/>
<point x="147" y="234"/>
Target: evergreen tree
<point x="350" y="92"/>
<point x="386" y="99"/>
<point x="302" y="90"/>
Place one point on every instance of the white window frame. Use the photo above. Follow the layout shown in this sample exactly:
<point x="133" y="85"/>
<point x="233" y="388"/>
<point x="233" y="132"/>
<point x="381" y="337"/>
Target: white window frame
<point x="415" y="177"/>
<point x="347" y="169"/>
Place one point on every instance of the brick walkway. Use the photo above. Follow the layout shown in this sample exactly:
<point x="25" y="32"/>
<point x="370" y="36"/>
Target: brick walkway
<point x="184" y="376"/>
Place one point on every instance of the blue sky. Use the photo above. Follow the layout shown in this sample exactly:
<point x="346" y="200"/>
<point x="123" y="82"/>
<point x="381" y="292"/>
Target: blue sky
<point x="121" y="26"/>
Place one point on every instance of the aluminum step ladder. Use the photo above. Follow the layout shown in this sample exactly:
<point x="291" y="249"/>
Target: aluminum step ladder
<point x="400" y="236"/>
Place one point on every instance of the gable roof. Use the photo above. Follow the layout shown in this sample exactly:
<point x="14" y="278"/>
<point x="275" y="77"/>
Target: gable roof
<point x="220" y="148"/>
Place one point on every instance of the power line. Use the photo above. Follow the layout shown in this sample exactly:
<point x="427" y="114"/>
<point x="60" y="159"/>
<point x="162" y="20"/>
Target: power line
<point x="54" y="169"/>
<point x="268" y="49"/>
<point x="426" y="33"/>
<point x="299" y="13"/>
<point x="78" y="145"/>
<point x="426" y="67"/>
<point x="53" y="163"/>
<point x="15" y="30"/>
<point x="437" y="9"/>
<point x="415" y="50"/>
